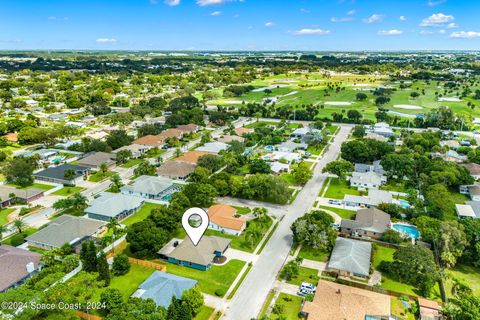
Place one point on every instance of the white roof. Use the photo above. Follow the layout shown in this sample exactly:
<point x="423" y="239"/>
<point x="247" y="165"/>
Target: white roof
<point x="465" y="210"/>
<point x="366" y="177"/>
<point x="213" y="147"/>
<point x="278" y="166"/>
<point x="289" y="156"/>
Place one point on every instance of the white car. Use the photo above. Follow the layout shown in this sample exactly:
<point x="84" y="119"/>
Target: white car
<point x="308" y="287"/>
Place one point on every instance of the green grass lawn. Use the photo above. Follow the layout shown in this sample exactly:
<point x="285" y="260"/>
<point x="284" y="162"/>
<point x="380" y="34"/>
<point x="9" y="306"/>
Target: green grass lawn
<point x="394" y="186"/>
<point x="266" y="303"/>
<point x="10" y="241"/>
<point x="239" y="283"/>
<point x="339" y="188"/>
<point x="305" y="275"/>
<point x="467" y="275"/>
<point x="68" y="191"/>
<point x="99" y="176"/>
<point x="129" y="282"/>
<point x="313" y="254"/>
<point x="42" y="186"/>
<point x="399" y="310"/>
<point x="216" y="278"/>
<point x="315" y="150"/>
<point x="131" y="163"/>
<point x="345" y="214"/>
<point x="288" y="177"/>
<point x="4" y="214"/>
<point x="204" y="313"/>
<point x="292" y="307"/>
<point x="142" y="214"/>
<point x="241" y="242"/>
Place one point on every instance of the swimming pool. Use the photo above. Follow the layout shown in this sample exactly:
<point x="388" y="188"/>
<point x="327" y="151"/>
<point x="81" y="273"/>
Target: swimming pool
<point x="409" y="230"/>
<point x="404" y="204"/>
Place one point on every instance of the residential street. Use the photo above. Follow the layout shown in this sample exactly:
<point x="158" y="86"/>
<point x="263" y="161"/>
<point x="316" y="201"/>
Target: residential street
<point x="251" y="295"/>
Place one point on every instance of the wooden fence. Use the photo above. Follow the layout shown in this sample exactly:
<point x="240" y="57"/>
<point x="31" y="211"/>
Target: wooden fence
<point x="148" y="264"/>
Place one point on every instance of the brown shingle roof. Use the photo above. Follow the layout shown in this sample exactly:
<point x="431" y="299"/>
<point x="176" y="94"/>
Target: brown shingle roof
<point x="150" y="140"/>
<point x="192" y="156"/>
<point x="335" y="301"/>
<point x="241" y="131"/>
<point x="175" y="169"/>
<point x="473" y="168"/>
<point x="170" y="133"/>
<point x="224" y="216"/>
<point x="13" y="265"/>
<point x="188" y="127"/>
<point x="228" y="138"/>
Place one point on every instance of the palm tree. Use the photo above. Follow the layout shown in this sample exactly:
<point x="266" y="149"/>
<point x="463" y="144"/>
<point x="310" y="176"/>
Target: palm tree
<point x="252" y="235"/>
<point x="113" y="224"/>
<point x="259" y="212"/>
<point x="79" y="201"/>
<point x="19" y="224"/>
<point x="3" y="229"/>
<point x="103" y="168"/>
<point x="69" y="174"/>
<point x="116" y="182"/>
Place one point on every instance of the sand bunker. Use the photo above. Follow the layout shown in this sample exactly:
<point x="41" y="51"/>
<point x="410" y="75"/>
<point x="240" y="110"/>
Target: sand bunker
<point x="362" y="85"/>
<point x="407" y="107"/>
<point x="450" y="99"/>
<point x="232" y="102"/>
<point x="338" y="103"/>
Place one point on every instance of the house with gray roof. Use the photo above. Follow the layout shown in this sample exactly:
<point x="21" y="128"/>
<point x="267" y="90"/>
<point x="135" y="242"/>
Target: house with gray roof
<point x="201" y="257"/>
<point x="151" y="187"/>
<point x="367" y="180"/>
<point x="113" y="205"/>
<point x="213" y="147"/>
<point x="374" y="198"/>
<point x="65" y="229"/>
<point x="177" y="170"/>
<point x="351" y="258"/>
<point x="374" y="167"/>
<point x="291" y="146"/>
<point x="137" y="150"/>
<point x="9" y="195"/>
<point x="370" y="223"/>
<point x="17" y="266"/>
<point x="94" y="160"/>
<point x="161" y="287"/>
<point x="57" y="174"/>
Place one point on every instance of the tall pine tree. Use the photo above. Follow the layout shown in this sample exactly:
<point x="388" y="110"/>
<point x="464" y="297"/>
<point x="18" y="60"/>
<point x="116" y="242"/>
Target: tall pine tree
<point x="103" y="270"/>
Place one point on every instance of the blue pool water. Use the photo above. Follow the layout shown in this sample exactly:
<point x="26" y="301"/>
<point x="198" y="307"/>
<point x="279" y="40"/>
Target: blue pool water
<point x="410" y="231"/>
<point x="269" y="148"/>
<point x="404" y="203"/>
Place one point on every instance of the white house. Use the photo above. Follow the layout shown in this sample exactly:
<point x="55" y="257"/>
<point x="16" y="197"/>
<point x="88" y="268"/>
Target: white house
<point x="367" y="180"/>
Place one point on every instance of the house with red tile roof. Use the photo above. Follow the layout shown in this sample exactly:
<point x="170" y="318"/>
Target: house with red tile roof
<point x="223" y="218"/>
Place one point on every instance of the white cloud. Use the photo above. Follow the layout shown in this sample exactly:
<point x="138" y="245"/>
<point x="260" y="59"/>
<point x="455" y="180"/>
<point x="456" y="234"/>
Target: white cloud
<point x="307" y="32"/>
<point x="216" y="13"/>
<point x="58" y="18"/>
<point x="204" y="3"/>
<point x="442" y="31"/>
<point x="437" y="20"/>
<point x="452" y="25"/>
<point x="432" y="3"/>
<point x="392" y="32"/>
<point x="373" y="19"/>
<point x="345" y="19"/>
<point x="426" y="32"/>
<point x="269" y="24"/>
<point x="171" y="3"/>
<point x="304" y="10"/>
<point x="402" y="18"/>
<point x="465" y="35"/>
<point x="351" y="12"/>
<point x="106" y="40"/>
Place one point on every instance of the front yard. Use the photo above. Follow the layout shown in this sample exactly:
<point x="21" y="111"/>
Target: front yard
<point x="339" y="188"/>
<point x="35" y="185"/>
<point x="141" y="214"/>
<point x="98" y="176"/>
<point x="4" y="215"/>
<point x="345" y="214"/>
<point x="313" y="254"/>
<point x="131" y="163"/>
<point x="292" y="305"/>
<point x="305" y="275"/>
<point x="68" y="191"/>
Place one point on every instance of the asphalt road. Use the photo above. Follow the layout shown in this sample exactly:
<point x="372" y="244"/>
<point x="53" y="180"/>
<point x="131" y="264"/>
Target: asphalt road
<point x="251" y="295"/>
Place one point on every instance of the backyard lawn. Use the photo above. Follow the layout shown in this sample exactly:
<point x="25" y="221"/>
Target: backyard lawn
<point x="215" y="281"/>
<point x="4" y="214"/>
<point x="315" y="150"/>
<point x="142" y="214"/>
<point x="345" y="214"/>
<point x="288" y="177"/>
<point x="339" y="188"/>
<point x="305" y="275"/>
<point x="313" y="254"/>
<point x="68" y="191"/>
<point x="241" y="242"/>
<point x="465" y="274"/>
<point x="398" y="308"/>
<point x="292" y="307"/>
<point x="129" y="282"/>
<point x="204" y="313"/>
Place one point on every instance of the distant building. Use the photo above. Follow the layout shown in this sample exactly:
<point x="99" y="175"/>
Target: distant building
<point x="161" y="287"/>
<point x="192" y="156"/>
<point x="288" y="157"/>
<point x="383" y="129"/>
<point x="96" y="159"/>
<point x="351" y="258"/>
<point x="367" y="180"/>
<point x="201" y="257"/>
<point x="222" y="218"/>
<point x="291" y="146"/>
<point x="137" y="150"/>
<point x="16" y="265"/>
<point x="150" y="141"/>
<point x="176" y="170"/>
<point x="473" y="169"/>
<point x="242" y="131"/>
<point x="213" y="147"/>
<point x="471" y="190"/>
<point x="10" y="195"/>
<point x="151" y="187"/>
<point x="113" y="205"/>
<point x="188" y="128"/>
<point x="469" y="210"/>
<point x="229" y="138"/>
<point x="65" y="229"/>
<point x="374" y="198"/>
<point x="374" y="167"/>
<point x="57" y="174"/>
<point x="370" y="223"/>
<point x="429" y="309"/>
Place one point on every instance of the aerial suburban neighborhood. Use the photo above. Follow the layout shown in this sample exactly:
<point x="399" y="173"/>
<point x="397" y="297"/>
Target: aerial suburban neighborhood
<point x="325" y="185"/>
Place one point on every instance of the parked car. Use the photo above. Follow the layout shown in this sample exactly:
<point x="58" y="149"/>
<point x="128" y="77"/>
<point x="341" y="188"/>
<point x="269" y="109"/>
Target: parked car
<point x="335" y="225"/>
<point x="303" y="292"/>
<point x="308" y="287"/>
<point x="337" y="202"/>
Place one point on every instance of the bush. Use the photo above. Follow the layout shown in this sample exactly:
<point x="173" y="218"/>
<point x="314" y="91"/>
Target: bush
<point x="220" y="292"/>
<point x="120" y="265"/>
<point x="17" y="239"/>
<point x="24" y="211"/>
<point x="391" y="236"/>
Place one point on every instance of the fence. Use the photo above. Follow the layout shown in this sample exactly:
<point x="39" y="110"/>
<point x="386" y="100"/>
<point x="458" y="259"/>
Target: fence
<point x="148" y="264"/>
<point x="374" y="289"/>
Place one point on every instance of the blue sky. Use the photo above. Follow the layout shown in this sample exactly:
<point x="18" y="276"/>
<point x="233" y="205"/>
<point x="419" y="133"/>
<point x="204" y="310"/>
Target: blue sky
<point x="240" y="24"/>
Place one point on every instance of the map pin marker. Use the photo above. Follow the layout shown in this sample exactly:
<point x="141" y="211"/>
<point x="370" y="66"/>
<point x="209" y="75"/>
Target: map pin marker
<point x="195" y="233"/>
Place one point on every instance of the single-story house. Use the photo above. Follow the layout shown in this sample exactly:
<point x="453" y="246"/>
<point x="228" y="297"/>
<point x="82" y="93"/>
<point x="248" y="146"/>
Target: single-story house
<point x="65" y="229"/>
<point x="469" y="210"/>
<point x="334" y="301"/>
<point x="377" y="137"/>
<point x="9" y="195"/>
<point x="451" y="156"/>
<point x="188" y="128"/>
<point x="374" y="167"/>
<point x="57" y="117"/>
<point x="286" y="156"/>
<point x="171" y="133"/>
<point x="222" y="218"/>
<point x="472" y="190"/>
<point x="371" y="222"/>
<point x="374" y="198"/>
<point x="229" y="138"/>
<point x="113" y="205"/>
<point x="452" y="144"/>
<point x="161" y="287"/>
<point x="367" y="180"/>
<point x="57" y="174"/>
<point x="137" y="150"/>
<point x="17" y="265"/>
<point x="213" y="147"/>
<point x="473" y="168"/>
<point x="201" y="257"/>
<point x="241" y="131"/>
<point x="278" y="167"/>
<point x="157" y="120"/>
<point x="300" y="132"/>
<point x="351" y="258"/>
<point x="95" y="160"/>
<point x="429" y="309"/>
<point x="176" y="170"/>
<point x="383" y="129"/>
<point x="192" y="156"/>
<point x="151" y="187"/>
<point x="150" y="140"/>
<point x="291" y="146"/>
